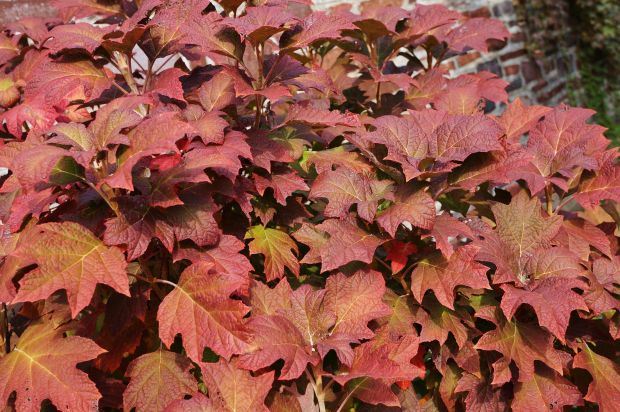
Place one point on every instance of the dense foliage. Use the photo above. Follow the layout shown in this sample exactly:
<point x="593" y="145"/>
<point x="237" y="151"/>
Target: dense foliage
<point x="257" y="207"/>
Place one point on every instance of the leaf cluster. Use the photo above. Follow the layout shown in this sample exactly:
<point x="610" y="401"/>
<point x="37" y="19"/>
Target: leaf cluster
<point x="252" y="206"/>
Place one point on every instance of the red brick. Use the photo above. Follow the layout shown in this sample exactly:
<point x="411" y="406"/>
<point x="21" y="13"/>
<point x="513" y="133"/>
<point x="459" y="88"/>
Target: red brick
<point x="496" y="45"/>
<point x="539" y="86"/>
<point x="530" y="71"/>
<point x="468" y="58"/>
<point x="13" y="11"/>
<point x="548" y="65"/>
<point x="449" y="65"/>
<point x="511" y="70"/>
<point x="513" y="55"/>
<point x="481" y="12"/>
<point x="517" y="37"/>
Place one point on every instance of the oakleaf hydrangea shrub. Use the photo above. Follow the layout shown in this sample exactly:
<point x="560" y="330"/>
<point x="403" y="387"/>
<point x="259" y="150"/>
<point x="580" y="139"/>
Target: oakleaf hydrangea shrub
<point x="252" y="206"/>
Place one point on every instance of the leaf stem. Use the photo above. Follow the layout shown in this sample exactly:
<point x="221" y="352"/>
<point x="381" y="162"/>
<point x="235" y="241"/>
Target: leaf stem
<point x="119" y="87"/>
<point x="259" y="85"/>
<point x="165" y="282"/>
<point x="123" y="64"/>
<point x="549" y="199"/>
<point x="395" y="174"/>
<point x="351" y="392"/>
<point x="4" y="317"/>
<point x="563" y="203"/>
<point x="112" y="204"/>
<point x="161" y="66"/>
<point x="384" y="264"/>
<point x="317" y="386"/>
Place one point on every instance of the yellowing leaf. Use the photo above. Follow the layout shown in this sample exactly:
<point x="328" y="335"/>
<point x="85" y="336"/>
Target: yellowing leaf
<point x="158" y="379"/>
<point x="605" y="386"/>
<point x="43" y="366"/>
<point x="277" y="247"/>
<point x="200" y="309"/>
<point x="235" y="390"/>
<point x="70" y="257"/>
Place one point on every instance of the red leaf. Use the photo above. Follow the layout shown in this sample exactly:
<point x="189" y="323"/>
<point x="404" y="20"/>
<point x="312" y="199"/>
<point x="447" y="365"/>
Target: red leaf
<point x="437" y="135"/>
<point x="546" y="390"/>
<point x="521" y="231"/>
<point x="604" y="389"/>
<point x="446" y="227"/>
<point x="523" y="344"/>
<point x="317" y="26"/>
<point x="77" y="36"/>
<point x="232" y="389"/>
<point x="283" y="185"/>
<point x="155" y="135"/>
<point x="416" y="208"/>
<point x="443" y="275"/>
<point x="344" y="188"/>
<point x="275" y="337"/>
<point x="200" y="309"/>
<point x="338" y="242"/>
<point x="605" y="185"/>
<point x="156" y="380"/>
<point x="554" y="317"/>
<point x="398" y="254"/>
<point x="260" y="23"/>
<point x="518" y="119"/>
<point x="70" y="257"/>
<point x="474" y="34"/>
<point x="561" y="142"/>
<point x="43" y="366"/>
<point x="309" y="115"/>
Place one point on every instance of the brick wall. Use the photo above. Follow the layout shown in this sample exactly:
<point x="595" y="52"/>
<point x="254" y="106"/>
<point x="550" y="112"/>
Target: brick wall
<point x="12" y="10"/>
<point x="538" y="77"/>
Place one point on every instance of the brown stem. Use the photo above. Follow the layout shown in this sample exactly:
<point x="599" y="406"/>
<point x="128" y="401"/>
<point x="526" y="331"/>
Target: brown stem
<point x="259" y="85"/>
<point x="429" y="59"/>
<point x="317" y="386"/>
<point x="563" y="203"/>
<point x="118" y="86"/>
<point x="123" y="64"/>
<point x="105" y="196"/>
<point x="388" y="170"/>
<point x="403" y="282"/>
<point x="378" y="96"/>
<point x="4" y="317"/>
<point x="351" y="392"/>
<point x="259" y="109"/>
<point x="164" y="63"/>
<point x="147" y="78"/>
<point x="549" y="199"/>
<point x="385" y="265"/>
<point x="138" y="64"/>
<point x="440" y="58"/>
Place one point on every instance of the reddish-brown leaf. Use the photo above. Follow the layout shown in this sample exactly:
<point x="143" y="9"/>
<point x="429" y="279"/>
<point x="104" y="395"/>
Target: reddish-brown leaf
<point x="523" y="344"/>
<point x="234" y="390"/>
<point x="156" y="380"/>
<point x="43" y="366"/>
<point x="68" y="256"/>
<point x="443" y="275"/>
<point x="605" y="386"/>
<point x="278" y="249"/>
<point x="77" y="36"/>
<point x="200" y="309"/>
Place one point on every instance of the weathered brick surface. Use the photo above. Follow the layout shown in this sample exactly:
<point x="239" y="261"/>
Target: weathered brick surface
<point x="12" y="10"/>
